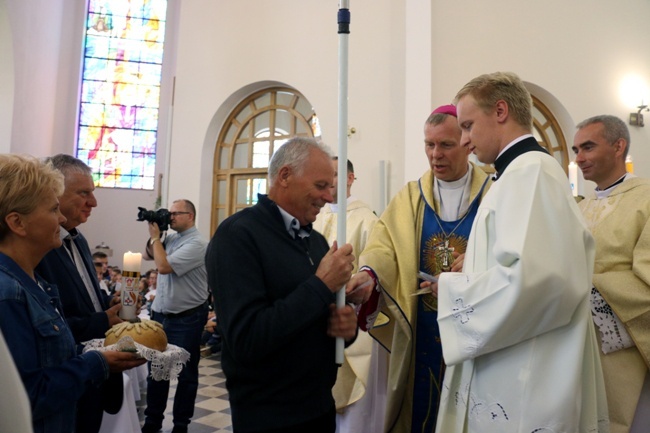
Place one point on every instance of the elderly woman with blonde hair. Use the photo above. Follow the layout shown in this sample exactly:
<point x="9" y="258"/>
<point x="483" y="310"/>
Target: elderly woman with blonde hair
<point x="31" y="320"/>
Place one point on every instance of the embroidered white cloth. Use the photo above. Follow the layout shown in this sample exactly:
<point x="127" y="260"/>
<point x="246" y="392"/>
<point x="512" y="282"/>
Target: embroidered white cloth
<point x="612" y="331"/>
<point x="517" y="332"/>
<point x="164" y="365"/>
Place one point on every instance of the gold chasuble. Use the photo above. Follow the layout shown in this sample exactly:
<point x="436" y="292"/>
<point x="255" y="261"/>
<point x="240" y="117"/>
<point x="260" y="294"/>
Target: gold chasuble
<point x="620" y="224"/>
<point x="397" y="249"/>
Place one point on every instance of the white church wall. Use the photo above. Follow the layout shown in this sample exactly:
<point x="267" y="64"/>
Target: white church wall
<point x="225" y="46"/>
<point x="418" y="95"/>
<point x="6" y="80"/>
<point x="46" y="44"/>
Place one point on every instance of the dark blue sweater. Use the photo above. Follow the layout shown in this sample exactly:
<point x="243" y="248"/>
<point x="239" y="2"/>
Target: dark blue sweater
<point x="272" y="312"/>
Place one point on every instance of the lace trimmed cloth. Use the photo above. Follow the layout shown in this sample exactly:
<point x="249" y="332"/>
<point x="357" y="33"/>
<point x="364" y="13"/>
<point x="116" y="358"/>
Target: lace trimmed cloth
<point x="613" y="334"/>
<point x="165" y="365"/>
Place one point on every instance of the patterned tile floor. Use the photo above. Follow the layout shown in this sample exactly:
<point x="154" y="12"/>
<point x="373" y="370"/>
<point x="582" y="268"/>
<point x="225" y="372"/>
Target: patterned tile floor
<point x="212" y="411"/>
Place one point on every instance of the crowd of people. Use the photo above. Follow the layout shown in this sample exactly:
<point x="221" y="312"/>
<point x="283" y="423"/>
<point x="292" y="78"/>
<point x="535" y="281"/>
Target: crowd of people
<point x="476" y="302"/>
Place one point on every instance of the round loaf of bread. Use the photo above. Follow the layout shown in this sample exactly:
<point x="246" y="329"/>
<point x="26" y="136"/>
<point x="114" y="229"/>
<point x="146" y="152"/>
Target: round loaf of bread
<point x="149" y="333"/>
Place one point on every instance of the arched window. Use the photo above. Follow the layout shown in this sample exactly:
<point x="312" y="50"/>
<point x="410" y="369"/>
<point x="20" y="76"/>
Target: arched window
<point x="548" y="133"/>
<point x="255" y="129"/>
<point x="120" y="91"/>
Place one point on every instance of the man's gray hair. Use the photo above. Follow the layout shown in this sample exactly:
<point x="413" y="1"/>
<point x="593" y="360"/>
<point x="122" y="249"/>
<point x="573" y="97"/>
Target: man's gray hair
<point x="294" y="154"/>
<point x="436" y="119"/>
<point x="68" y="164"/>
<point x="613" y="129"/>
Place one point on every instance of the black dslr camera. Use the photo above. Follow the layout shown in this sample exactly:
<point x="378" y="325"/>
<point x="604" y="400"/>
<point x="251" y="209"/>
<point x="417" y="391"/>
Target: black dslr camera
<point x="162" y="217"/>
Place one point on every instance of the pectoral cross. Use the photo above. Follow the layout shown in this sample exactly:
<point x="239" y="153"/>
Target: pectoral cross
<point x="446" y="253"/>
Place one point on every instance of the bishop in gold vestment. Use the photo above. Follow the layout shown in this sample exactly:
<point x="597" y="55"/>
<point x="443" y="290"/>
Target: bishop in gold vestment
<point x="393" y="252"/>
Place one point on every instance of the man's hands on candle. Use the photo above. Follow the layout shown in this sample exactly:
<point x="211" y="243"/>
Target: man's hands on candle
<point x="112" y="313"/>
<point x="337" y="265"/>
<point x="342" y="322"/>
<point x="359" y="288"/>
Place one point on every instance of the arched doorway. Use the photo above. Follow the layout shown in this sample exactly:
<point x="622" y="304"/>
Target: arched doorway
<point x="257" y="126"/>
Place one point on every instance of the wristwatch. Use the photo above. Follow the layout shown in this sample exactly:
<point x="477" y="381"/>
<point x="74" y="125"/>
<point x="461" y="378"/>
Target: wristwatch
<point x="153" y="241"/>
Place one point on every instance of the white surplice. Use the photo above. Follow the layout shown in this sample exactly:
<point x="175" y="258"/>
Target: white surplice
<point x="516" y="327"/>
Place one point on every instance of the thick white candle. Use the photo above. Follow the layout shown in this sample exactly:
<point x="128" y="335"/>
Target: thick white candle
<point x="132" y="262"/>
<point x="129" y="292"/>
<point x="573" y="178"/>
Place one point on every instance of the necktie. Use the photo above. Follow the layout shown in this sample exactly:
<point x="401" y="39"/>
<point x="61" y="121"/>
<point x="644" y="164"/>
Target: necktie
<point x="83" y="273"/>
<point x="67" y="241"/>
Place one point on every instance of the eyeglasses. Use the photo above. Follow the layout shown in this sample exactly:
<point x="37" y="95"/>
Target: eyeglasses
<point x="175" y="214"/>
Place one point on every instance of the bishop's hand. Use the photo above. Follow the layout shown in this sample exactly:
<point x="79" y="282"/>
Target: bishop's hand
<point x="359" y="288"/>
<point x="459" y="260"/>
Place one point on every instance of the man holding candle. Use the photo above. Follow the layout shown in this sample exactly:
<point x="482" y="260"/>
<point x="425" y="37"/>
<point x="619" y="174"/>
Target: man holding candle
<point x="87" y="309"/>
<point x="618" y="214"/>
<point x="181" y="305"/>
<point x="274" y="280"/>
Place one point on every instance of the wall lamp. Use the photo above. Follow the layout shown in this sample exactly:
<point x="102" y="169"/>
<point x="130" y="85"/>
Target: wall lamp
<point x="636" y="119"/>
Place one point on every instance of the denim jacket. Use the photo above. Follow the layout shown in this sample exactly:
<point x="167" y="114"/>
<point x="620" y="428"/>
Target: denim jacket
<point x="44" y="350"/>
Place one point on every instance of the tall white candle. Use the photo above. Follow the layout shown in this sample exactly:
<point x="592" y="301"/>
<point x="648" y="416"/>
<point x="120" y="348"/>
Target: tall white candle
<point x="573" y="178"/>
<point x="132" y="262"/>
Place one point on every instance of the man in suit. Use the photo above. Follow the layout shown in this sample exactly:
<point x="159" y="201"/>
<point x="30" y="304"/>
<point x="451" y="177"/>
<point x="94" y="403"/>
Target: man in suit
<point x="88" y="311"/>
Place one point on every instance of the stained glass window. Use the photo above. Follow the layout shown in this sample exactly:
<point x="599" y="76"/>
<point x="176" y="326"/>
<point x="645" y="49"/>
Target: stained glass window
<point x="120" y="91"/>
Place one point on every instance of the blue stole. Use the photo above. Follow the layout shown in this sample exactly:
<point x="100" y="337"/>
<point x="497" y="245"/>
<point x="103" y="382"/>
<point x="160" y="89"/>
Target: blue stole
<point x="439" y="240"/>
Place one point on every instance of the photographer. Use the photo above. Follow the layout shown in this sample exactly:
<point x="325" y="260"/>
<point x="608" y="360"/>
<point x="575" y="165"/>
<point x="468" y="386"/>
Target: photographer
<point x="180" y="305"/>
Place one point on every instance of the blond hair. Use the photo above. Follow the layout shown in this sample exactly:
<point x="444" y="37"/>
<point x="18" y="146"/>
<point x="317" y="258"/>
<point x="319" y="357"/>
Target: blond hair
<point x="24" y="182"/>
<point x="487" y="89"/>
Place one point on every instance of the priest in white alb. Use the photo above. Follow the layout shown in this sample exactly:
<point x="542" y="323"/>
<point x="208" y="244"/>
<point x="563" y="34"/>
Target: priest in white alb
<point x="516" y="325"/>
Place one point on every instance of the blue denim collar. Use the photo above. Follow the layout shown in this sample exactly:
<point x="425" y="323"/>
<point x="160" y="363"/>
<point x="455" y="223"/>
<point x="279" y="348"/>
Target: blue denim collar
<point x="16" y="272"/>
